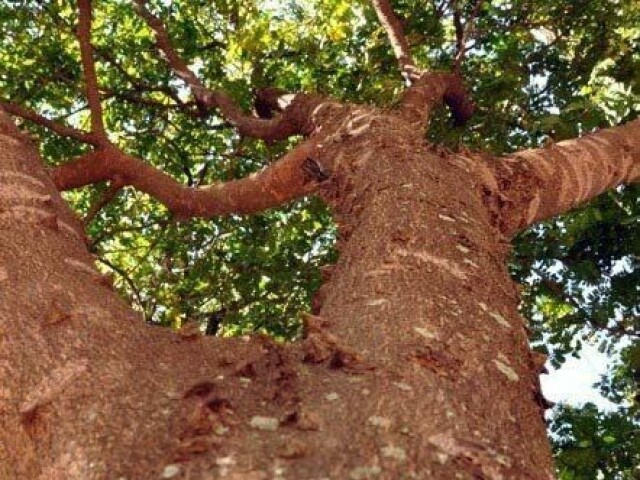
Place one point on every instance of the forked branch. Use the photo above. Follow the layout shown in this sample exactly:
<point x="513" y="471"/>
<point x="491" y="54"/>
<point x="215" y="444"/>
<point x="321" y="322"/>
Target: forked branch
<point x="287" y="124"/>
<point x="429" y="89"/>
<point x="464" y="31"/>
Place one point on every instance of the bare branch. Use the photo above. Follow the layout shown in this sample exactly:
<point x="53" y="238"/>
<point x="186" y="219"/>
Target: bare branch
<point x="90" y="77"/>
<point x="277" y="184"/>
<point x="109" y="194"/>
<point x="463" y="32"/>
<point x="429" y="91"/>
<point x="395" y="32"/>
<point x="60" y="129"/>
<point x="287" y="124"/>
<point x="533" y="185"/>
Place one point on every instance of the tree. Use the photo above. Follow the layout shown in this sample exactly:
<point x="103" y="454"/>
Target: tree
<point x="415" y="363"/>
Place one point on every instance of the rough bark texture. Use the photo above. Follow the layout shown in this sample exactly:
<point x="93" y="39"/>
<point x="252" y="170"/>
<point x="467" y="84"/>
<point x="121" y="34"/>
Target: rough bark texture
<point x="416" y="366"/>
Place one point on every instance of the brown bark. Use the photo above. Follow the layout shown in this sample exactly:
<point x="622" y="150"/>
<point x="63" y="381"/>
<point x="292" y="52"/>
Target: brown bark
<point x="88" y="64"/>
<point x="395" y="32"/>
<point x="278" y="183"/>
<point x="534" y="185"/>
<point x="418" y="365"/>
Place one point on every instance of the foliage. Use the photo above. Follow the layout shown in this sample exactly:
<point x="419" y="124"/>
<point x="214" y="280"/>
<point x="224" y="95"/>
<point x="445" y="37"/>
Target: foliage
<point x="540" y="71"/>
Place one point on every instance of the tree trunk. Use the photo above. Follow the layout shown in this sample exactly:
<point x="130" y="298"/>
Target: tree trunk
<point x="416" y="366"/>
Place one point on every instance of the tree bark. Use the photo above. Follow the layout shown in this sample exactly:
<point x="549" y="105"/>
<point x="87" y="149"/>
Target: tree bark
<point x="416" y="366"/>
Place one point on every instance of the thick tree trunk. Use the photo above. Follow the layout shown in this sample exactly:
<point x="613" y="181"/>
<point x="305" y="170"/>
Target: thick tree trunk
<point x="417" y="365"/>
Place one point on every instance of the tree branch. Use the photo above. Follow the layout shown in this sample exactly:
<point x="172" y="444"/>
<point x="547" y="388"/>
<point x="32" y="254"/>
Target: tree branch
<point x="109" y="194"/>
<point x="463" y="32"/>
<point x="429" y="91"/>
<point x="90" y="77"/>
<point x="534" y="185"/>
<point x="281" y="182"/>
<point x="289" y="123"/>
<point x="395" y="32"/>
<point x="60" y="129"/>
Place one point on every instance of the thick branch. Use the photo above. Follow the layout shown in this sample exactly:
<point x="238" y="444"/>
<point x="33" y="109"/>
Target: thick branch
<point x="63" y="130"/>
<point x="278" y="128"/>
<point x="429" y="91"/>
<point x="395" y="32"/>
<point x="90" y="77"/>
<point x="535" y="185"/>
<point x="279" y="183"/>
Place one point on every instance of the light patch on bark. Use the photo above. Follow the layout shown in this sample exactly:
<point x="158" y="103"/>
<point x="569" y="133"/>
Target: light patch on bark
<point x="470" y="262"/>
<point x="575" y="175"/>
<point x="380" y="422"/>
<point x="446" y="218"/>
<point x="364" y="158"/>
<point x="78" y="265"/>
<point x="11" y="140"/>
<point x="423" y="332"/>
<point x="21" y="177"/>
<point x="443" y="263"/>
<point x="376" y="302"/>
<point x="397" y="453"/>
<point x="72" y="231"/>
<point x="463" y="249"/>
<point x="269" y="424"/>
<point x="224" y="463"/>
<point x="449" y="447"/>
<point x="364" y="473"/>
<point x="32" y="214"/>
<point x="507" y="371"/>
<point x="332" y="397"/>
<point x="53" y="385"/>
<point x="403" y="386"/>
<point x="534" y="206"/>
<point x="15" y="193"/>
<point x="495" y="315"/>
<point x="359" y="123"/>
<point x="564" y="191"/>
<point x="170" y="471"/>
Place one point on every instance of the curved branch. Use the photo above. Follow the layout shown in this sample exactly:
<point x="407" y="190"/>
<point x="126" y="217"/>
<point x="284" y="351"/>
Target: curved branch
<point x="277" y="184"/>
<point x="284" y="126"/>
<point x="429" y="91"/>
<point x="60" y="129"/>
<point x="90" y="77"/>
<point x="534" y="185"/>
<point x="395" y="32"/>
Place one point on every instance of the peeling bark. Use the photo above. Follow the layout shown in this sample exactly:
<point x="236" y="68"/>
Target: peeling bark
<point x="534" y="185"/>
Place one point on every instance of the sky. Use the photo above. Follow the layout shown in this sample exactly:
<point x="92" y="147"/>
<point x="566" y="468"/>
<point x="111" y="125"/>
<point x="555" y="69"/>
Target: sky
<point x="573" y="382"/>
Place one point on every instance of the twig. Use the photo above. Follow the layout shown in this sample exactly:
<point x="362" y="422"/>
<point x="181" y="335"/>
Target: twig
<point x="463" y="32"/>
<point x="109" y="194"/>
<point x="60" y="129"/>
<point x="90" y="77"/>
<point x="125" y="276"/>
